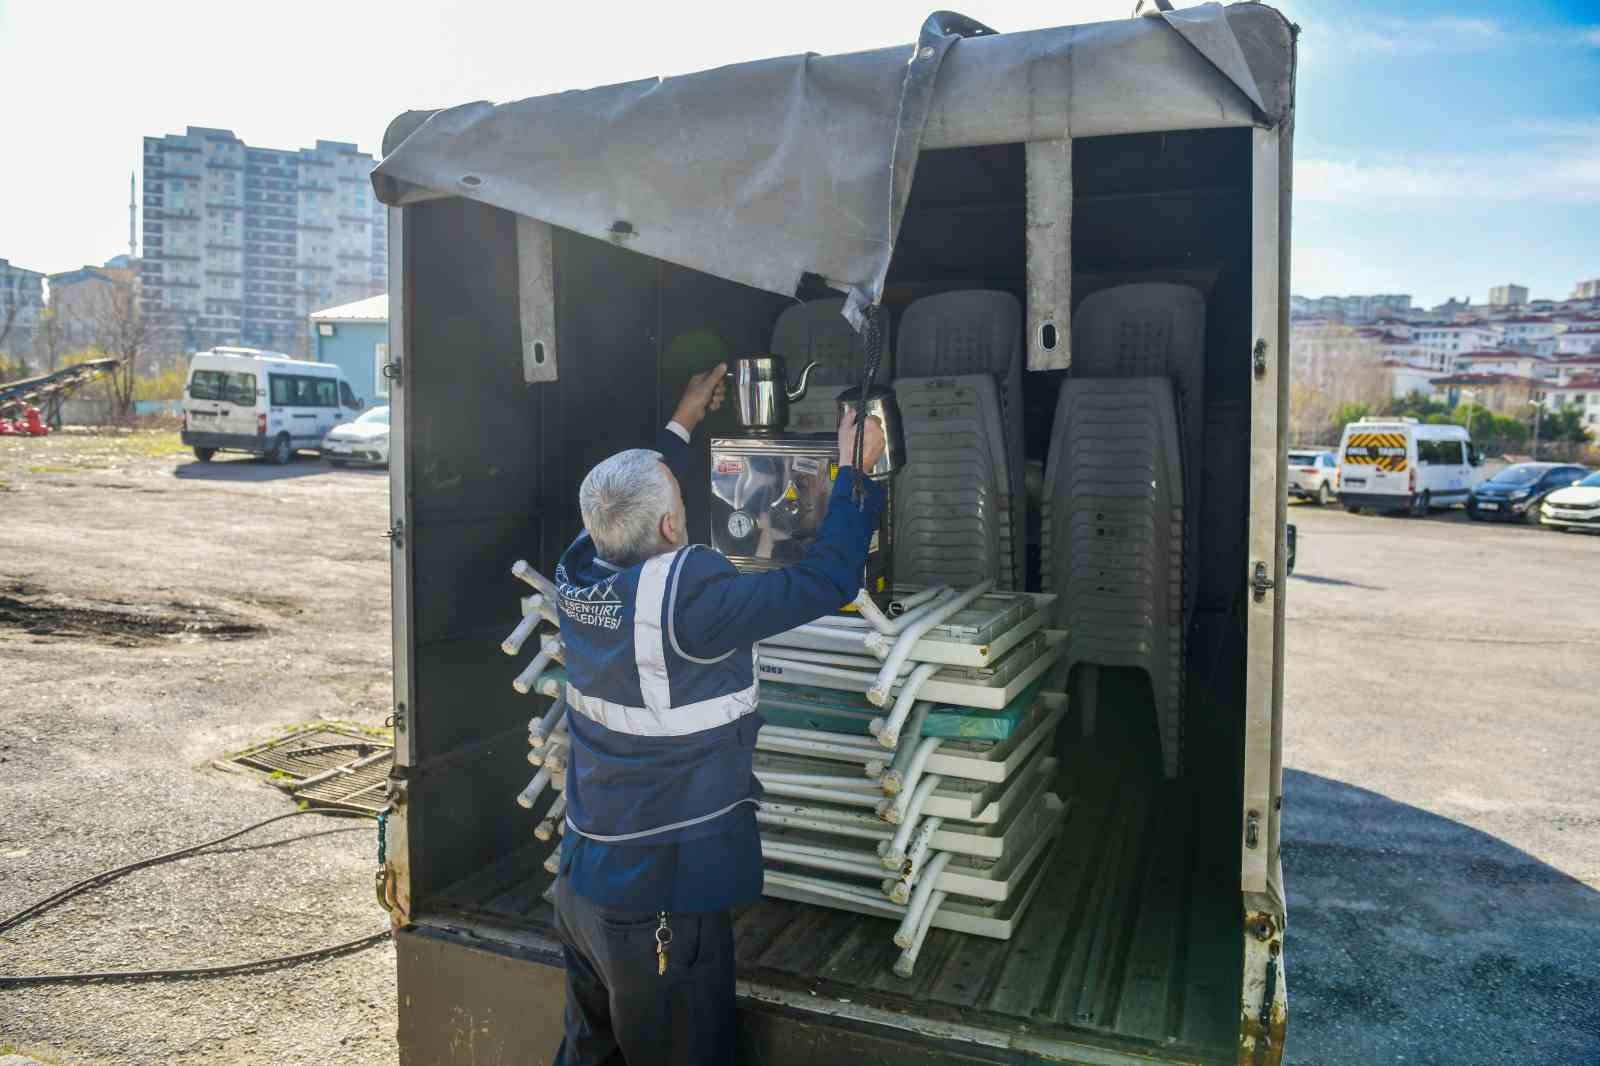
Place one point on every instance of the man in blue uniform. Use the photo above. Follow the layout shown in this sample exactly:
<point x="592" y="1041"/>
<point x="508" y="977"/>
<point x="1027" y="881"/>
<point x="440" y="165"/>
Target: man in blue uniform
<point x="661" y="837"/>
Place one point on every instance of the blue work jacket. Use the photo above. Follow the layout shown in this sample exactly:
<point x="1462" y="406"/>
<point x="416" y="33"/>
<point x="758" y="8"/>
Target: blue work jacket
<point x="662" y="693"/>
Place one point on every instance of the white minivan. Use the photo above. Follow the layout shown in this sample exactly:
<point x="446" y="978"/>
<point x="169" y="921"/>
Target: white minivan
<point x="1400" y="464"/>
<point x="249" y="400"/>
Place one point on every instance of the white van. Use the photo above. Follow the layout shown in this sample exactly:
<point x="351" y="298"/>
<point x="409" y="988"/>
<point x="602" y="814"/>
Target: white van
<point x="249" y="400"/>
<point x="1399" y="464"/>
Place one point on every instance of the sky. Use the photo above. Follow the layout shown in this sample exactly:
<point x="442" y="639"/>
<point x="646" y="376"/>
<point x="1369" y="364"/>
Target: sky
<point x="1440" y="148"/>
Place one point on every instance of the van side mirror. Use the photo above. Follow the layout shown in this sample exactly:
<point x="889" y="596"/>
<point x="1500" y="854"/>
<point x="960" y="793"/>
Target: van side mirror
<point x="1475" y="457"/>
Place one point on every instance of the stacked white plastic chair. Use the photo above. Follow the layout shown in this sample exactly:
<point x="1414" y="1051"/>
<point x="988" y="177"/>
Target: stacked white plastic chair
<point x="1153" y="330"/>
<point x="1113" y="543"/>
<point x="817" y="331"/>
<point x="960" y="503"/>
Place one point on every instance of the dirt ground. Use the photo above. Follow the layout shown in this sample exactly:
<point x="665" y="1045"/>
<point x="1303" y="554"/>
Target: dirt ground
<point x="155" y="614"/>
<point x="1442" y="804"/>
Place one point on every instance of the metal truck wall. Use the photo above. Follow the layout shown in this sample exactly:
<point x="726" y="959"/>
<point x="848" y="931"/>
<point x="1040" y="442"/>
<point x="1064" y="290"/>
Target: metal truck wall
<point x="491" y="470"/>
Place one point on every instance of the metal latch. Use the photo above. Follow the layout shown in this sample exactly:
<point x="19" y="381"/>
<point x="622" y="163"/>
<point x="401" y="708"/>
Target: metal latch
<point x="397" y="718"/>
<point x="1261" y="584"/>
<point x="391" y="370"/>
<point x="1252" y="829"/>
<point x="1258" y="359"/>
<point x="396" y="533"/>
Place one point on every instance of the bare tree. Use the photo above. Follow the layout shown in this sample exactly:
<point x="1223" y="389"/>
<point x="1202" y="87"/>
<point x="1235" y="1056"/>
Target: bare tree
<point x="125" y="332"/>
<point x="7" y="325"/>
<point x="50" y="339"/>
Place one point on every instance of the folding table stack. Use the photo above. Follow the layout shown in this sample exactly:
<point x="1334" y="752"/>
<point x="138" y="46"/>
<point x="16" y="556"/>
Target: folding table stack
<point x="906" y="761"/>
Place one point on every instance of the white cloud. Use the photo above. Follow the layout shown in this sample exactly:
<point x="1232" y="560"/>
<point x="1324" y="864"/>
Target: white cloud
<point x="1555" y="174"/>
<point x="1591" y="35"/>
<point x="1384" y="36"/>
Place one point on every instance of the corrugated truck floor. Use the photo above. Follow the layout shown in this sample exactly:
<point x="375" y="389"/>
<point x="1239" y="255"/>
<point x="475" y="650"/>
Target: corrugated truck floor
<point x="1133" y="934"/>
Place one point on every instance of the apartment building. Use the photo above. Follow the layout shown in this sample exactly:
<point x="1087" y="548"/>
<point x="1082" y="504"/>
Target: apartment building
<point x="83" y="299"/>
<point x="1508" y="295"/>
<point x="1507" y="394"/>
<point x="242" y="243"/>
<point x="21" y="300"/>
<point x="1582" y="394"/>
<point x="1587" y="290"/>
<point x="1579" y="339"/>
<point x="1352" y="309"/>
<point x="1528" y="333"/>
<point x="1446" y="341"/>
<point x="1505" y="361"/>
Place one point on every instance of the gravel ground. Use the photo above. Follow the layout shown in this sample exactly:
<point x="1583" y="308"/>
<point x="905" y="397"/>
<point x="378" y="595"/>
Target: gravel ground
<point x="1442" y="813"/>
<point x="107" y="732"/>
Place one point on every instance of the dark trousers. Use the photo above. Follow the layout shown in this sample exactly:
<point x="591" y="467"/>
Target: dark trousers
<point x="620" y="1010"/>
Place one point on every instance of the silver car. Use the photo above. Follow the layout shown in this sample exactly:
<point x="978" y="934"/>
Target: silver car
<point x="1311" y="475"/>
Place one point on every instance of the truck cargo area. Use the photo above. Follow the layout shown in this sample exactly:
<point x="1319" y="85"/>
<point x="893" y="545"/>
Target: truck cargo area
<point x="1132" y="944"/>
<point x="1133" y="933"/>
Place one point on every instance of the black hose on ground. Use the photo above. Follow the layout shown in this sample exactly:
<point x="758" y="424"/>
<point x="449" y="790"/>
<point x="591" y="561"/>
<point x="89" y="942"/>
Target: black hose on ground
<point x="107" y="876"/>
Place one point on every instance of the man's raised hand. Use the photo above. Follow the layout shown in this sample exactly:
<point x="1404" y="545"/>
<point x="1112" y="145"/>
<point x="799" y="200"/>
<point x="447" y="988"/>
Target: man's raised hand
<point x="703" y="394"/>
<point x="871" y="447"/>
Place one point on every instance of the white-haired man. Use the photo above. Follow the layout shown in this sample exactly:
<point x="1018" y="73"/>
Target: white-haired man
<point x="661" y="839"/>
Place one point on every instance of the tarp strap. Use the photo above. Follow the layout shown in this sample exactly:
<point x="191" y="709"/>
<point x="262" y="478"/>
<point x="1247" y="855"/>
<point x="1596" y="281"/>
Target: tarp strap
<point x="939" y="31"/>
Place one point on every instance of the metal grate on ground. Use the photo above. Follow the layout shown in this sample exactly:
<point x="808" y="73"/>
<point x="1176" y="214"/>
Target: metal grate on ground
<point x="325" y="766"/>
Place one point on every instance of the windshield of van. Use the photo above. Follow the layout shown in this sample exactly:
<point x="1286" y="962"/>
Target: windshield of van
<point x="227" y="386"/>
<point x="1521" y="474"/>
<point x="380" y="415"/>
<point x="1302" y="458"/>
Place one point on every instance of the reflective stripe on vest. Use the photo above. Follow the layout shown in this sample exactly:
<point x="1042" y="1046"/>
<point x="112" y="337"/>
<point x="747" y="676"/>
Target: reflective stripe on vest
<point x="668" y="722"/>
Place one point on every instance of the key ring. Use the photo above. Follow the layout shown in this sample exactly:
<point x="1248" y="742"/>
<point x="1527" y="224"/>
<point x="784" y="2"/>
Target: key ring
<point x="663" y="936"/>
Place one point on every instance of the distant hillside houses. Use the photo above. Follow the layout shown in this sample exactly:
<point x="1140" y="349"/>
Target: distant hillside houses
<point x="1503" y="354"/>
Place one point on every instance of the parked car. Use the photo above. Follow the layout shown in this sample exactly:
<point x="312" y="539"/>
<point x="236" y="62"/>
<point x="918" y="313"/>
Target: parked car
<point x="365" y="440"/>
<point x="1399" y="464"/>
<point x="1575" y="507"/>
<point x="1517" y="491"/>
<point x="1311" y="475"/>
<point x="249" y="400"/>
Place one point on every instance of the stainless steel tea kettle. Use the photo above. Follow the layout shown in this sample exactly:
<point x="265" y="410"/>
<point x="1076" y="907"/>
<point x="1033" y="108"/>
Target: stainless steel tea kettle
<point x="761" y="392"/>
<point x="882" y="405"/>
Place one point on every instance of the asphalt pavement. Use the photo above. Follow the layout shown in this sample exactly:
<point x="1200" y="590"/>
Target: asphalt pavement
<point x="1442" y="797"/>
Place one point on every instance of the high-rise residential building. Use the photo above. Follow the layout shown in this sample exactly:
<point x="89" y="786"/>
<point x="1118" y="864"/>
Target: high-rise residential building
<point x="1508" y="296"/>
<point x="21" y="300"/>
<point x="242" y="243"/>
<point x="1587" y="290"/>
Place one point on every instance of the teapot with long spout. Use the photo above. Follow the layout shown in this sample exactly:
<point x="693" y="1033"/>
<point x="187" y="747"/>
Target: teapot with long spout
<point x="761" y="391"/>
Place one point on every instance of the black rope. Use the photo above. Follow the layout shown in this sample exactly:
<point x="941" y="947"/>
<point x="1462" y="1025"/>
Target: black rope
<point x="106" y="876"/>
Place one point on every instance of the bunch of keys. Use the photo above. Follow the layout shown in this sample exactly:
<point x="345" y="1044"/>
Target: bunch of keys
<point x="663" y="938"/>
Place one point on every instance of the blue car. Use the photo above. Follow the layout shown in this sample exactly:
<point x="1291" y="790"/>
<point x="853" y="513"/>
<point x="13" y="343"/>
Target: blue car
<point x="1517" y="491"/>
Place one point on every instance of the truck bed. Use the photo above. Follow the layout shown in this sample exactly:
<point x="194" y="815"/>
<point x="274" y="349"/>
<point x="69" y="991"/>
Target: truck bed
<point x="1133" y="935"/>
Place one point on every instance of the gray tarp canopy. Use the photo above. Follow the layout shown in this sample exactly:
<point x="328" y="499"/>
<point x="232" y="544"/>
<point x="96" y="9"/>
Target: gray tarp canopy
<point x="761" y="172"/>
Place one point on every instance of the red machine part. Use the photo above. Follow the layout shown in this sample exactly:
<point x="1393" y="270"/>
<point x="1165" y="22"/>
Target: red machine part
<point x="31" y="424"/>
